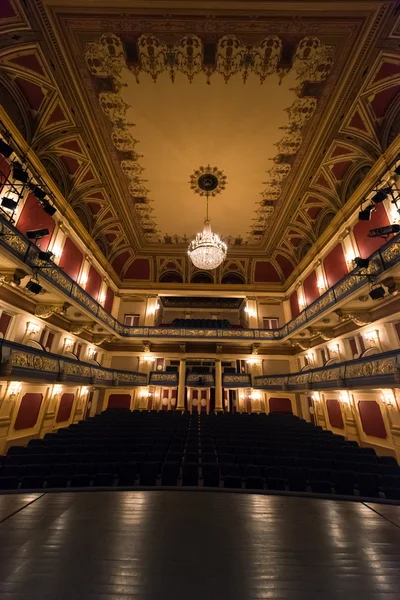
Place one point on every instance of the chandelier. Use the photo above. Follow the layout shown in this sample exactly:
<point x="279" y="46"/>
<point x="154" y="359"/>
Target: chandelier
<point x="207" y="251"/>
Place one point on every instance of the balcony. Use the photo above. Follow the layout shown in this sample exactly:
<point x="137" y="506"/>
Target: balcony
<point x="19" y="362"/>
<point x="379" y="370"/>
<point x="17" y="244"/>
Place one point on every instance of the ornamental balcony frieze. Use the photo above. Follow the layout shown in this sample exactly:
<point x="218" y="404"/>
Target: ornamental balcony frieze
<point x="17" y="244"/>
<point x="369" y="371"/>
<point x="21" y="362"/>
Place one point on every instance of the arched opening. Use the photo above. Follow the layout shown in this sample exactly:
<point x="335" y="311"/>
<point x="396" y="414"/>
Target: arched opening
<point x="171" y="277"/>
<point x="233" y="278"/>
<point x="202" y="277"/>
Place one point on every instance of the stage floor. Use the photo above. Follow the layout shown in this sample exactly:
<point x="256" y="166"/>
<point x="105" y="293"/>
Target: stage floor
<point x="183" y="545"/>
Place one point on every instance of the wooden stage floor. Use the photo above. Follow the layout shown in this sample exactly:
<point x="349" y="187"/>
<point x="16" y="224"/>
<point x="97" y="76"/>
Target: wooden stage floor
<point x="184" y="545"/>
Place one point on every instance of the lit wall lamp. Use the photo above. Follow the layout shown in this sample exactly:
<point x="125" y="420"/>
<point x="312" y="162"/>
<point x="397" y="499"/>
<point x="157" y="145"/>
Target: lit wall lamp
<point x="302" y="302"/>
<point x="252" y="361"/>
<point x="310" y="357"/>
<point x="83" y="279"/>
<point x="350" y="256"/>
<point x="91" y="352"/>
<point x="388" y="398"/>
<point x="57" y="389"/>
<point x="32" y="328"/>
<point x="344" y="397"/>
<point x="321" y="285"/>
<point x="14" y="389"/>
<point x="249" y="312"/>
<point x="57" y="251"/>
<point x="316" y="396"/>
<point x="84" y="391"/>
<point x="148" y="358"/>
<point x="144" y="393"/>
<point x="102" y="298"/>
<point x="68" y="345"/>
<point x="372" y="337"/>
<point x="255" y="396"/>
<point x="334" y="350"/>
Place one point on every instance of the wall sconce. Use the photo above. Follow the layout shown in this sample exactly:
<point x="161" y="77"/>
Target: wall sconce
<point x="57" y="389"/>
<point x="344" y="397"/>
<point x="148" y="358"/>
<point x="84" y="391"/>
<point x="57" y="251"/>
<point x="310" y="357"/>
<point x="388" y="398"/>
<point x="145" y="394"/>
<point x="14" y="389"/>
<point x="321" y="285"/>
<point x="334" y="349"/>
<point x="302" y="302"/>
<point x="252" y="361"/>
<point x="372" y="336"/>
<point x="249" y="312"/>
<point x="255" y="396"/>
<point x="91" y="352"/>
<point x="32" y="328"/>
<point x="68" y="345"/>
<point x="350" y="256"/>
<point x="83" y="279"/>
<point x="102" y="298"/>
<point x="316" y="396"/>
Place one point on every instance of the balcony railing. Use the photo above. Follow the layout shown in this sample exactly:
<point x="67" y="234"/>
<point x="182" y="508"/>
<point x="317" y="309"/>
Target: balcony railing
<point x="377" y="370"/>
<point x="15" y="242"/>
<point x="23" y="362"/>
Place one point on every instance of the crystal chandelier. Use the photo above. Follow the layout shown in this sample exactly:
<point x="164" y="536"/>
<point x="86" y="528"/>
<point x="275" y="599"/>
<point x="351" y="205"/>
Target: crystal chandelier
<point x="207" y="251"/>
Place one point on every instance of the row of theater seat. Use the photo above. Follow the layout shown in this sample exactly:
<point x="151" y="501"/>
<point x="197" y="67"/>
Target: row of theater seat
<point x="275" y="452"/>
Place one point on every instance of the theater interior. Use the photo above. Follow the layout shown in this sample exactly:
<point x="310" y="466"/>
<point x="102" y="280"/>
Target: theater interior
<point x="199" y="299"/>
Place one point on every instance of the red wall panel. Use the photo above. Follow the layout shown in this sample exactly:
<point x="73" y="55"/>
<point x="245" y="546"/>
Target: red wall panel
<point x="65" y="408"/>
<point x="108" y="303"/>
<point x="335" y="265"/>
<point x="371" y="418"/>
<point x="33" y="217"/>
<point x="28" y="411"/>
<point x="93" y="283"/>
<point x="5" y="320"/>
<point x="71" y="259"/>
<point x="310" y="286"/>
<point x="280" y="405"/>
<point x="335" y="414"/>
<point x="119" y="401"/>
<point x="366" y="245"/>
<point x="294" y="305"/>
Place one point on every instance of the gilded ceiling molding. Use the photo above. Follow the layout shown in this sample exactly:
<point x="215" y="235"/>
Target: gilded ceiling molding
<point x="359" y="318"/>
<point x="44" y="311"/>
<point x="106" y="57"/>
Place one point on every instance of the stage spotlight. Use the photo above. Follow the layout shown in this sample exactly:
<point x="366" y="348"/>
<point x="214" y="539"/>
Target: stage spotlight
<point x="19" y="173"/>
<point x="361" y="263"/>
<point x="9" y="203"/>
<point x="381" y="195"/>
<point x="365" y="215"/>
<point x="5" y="149"/>
<point x="34" y="286"/>
<point x="46" y="256"/>
<point x="38" y="192"/>
<point x="384" y="231"/>
<point x="37" y="234"/>
<point x="377" y="293"/>
<point x="48" y="208"/>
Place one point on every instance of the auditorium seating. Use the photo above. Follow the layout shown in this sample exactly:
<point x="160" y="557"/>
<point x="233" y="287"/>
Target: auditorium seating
<point x="276" y="452"/>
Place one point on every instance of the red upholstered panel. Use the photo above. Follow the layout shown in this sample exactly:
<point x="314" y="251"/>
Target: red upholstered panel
<point x="119" y="401"/>
<point x="371" y="418"/>
<point x="108" y="303"/>
<point x="335" y="265"/>
<point x="366" y="245"/>
<point x="71" y="259"/>
<point x="265" y="271"/>
<point x="28" y="411"/>
<point x="93" y="283"/>
<point x="4" y="323"/>
<point x="280" y="405"/>
<point x="310" y="286"/>
<point x="334" y="413"/>
<point x="65" y="408"/>
<point x="294" y="305"/>
<point x="139" y="269"/>
<point x="33" y="217"/>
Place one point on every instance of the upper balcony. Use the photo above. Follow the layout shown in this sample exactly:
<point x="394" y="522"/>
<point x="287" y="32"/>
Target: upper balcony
<point x="16" y="244"/>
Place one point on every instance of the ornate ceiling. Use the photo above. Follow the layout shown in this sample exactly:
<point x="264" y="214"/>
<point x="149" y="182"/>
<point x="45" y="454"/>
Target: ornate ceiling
<point x="122" y="106"/>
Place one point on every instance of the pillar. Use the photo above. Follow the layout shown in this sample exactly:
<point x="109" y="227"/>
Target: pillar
<point x="181" y="385"/>
<point x="287" y="313"/>
<point x="218" y="386"/>
<point x="252" y="312"/>
<point x="83" y="275"/>
<point x="151" y="310"/>
<point x="116" y="305"/>
<point x="57" y="242"/>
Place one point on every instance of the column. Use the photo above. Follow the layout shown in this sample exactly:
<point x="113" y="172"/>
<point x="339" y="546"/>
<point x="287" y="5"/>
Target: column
<point x="252" y="312"/>
<point x="116" y="305"/>
<point x="218" y="386"/>
<point x="151" y="310"/>
<point x="349" y="247"/>
<point x="300" y="296"/>
<point x="83" y="275"/>
<point x="57" y="242"/>
<point x="181" y="385"/>
<point x="287" y="314"/>
<point x="103" y="291"/>
<point x="322" y="281"/>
